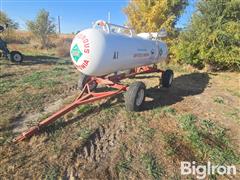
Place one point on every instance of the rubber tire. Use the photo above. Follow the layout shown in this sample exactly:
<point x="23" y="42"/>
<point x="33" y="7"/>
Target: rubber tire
<point x="83" y="79"/>
<point x="13" y="53"/>
<point x="166" y="76"/>
<point x="131" y="96"/>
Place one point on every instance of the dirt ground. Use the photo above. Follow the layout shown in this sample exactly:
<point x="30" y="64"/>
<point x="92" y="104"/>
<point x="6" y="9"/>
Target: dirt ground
<point x="197" y="119"/>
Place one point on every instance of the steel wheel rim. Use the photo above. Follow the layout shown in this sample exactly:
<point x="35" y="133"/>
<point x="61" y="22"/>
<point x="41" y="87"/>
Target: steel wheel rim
<point x="140" y="97"/>
<point x="170" y="80"/>
<point x="17" y="57"/>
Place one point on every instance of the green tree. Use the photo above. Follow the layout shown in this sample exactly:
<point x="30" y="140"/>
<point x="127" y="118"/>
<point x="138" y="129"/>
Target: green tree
<point x="4" y="19"/>
<point x="152" y="15"/>
<point x="213" y="36"/>
<point x="42" y="27"/>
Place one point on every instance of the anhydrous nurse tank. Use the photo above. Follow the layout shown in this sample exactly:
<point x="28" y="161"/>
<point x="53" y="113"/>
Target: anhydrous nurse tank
<point x="107" y="48"/>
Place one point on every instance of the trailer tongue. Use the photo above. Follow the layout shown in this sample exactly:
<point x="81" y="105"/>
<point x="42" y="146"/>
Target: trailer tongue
<point x="87" y="96"/>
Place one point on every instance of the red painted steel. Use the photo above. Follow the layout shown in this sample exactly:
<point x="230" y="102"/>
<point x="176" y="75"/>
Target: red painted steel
<point x="86" y="96"/>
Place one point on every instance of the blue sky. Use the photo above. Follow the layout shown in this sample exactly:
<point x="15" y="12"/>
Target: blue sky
<point x="76" y="14"/>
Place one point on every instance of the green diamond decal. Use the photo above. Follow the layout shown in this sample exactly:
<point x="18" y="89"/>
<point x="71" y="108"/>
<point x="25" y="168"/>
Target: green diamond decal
<point x="76" y="52"/>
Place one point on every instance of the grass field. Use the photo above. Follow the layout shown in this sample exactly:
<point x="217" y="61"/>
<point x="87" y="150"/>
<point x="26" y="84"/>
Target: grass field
<point x="197" y="119"/>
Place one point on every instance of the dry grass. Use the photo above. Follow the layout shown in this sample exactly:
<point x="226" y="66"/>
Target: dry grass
<point x="27" y="43"/>
<point x="103" y="141"/>
<point x="63" y="46"/>
<point x="17" y="37"/>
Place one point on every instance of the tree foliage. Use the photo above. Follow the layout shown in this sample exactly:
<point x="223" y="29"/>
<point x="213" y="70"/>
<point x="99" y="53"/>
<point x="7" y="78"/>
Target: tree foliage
<point x="213" y="36"/>
<point x="152" y="15"/>
<point x="42" y="27"/>
<point x="4" y="19"/>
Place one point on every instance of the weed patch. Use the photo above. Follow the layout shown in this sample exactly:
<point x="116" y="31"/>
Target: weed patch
<point x="51" y="173"/>
<point x="6" y="85"/>
<point x="234" y="115"/>
<point x="40" y="80"/>
<point x="85" y="108"/>
<point x="153" y="168"/>
<point x="108" y="114"/>
<point x="84" y="133"/>
<point x="124" y="164"/>
<point x="54" y="129"/>
<point x="177" y="149"/>
<point x="6" y="137"/>
<point x="31" y="101"/>
<point x="169" y="111"/>
<point x="147" y="133"/>
<point x="218" y="100"/>
<point x="208" y="140"/>
<point x="234" y="92"/>
<point x="171" y="140"/>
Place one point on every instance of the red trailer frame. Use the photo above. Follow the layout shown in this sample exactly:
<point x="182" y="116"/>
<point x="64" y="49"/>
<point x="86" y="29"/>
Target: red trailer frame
<point x="87" y="96"/>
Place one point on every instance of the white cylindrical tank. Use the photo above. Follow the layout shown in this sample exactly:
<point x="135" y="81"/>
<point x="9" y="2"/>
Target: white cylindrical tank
<point x="97" y="52"/>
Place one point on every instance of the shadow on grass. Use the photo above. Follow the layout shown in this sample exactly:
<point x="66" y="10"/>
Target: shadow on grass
<point x="183" y="86"/>
<point x="48" y="60"/>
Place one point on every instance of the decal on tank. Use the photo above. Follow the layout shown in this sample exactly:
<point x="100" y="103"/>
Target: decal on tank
<point x="85" y="42"/>
<point x="76" y="52"/>
<point x="140" y="55"/>
<point x="83" y="65"/>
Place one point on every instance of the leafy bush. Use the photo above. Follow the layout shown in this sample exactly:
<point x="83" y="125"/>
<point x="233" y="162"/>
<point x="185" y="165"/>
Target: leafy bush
<point x="152" y="16"/>
<point x="4" y="19"/>
<point x="213" y="36"/>
<point x="42" y="27"/>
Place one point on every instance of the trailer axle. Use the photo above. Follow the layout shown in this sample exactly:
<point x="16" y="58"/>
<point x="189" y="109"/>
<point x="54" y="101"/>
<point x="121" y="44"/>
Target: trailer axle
<point x="86" y="96"/>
